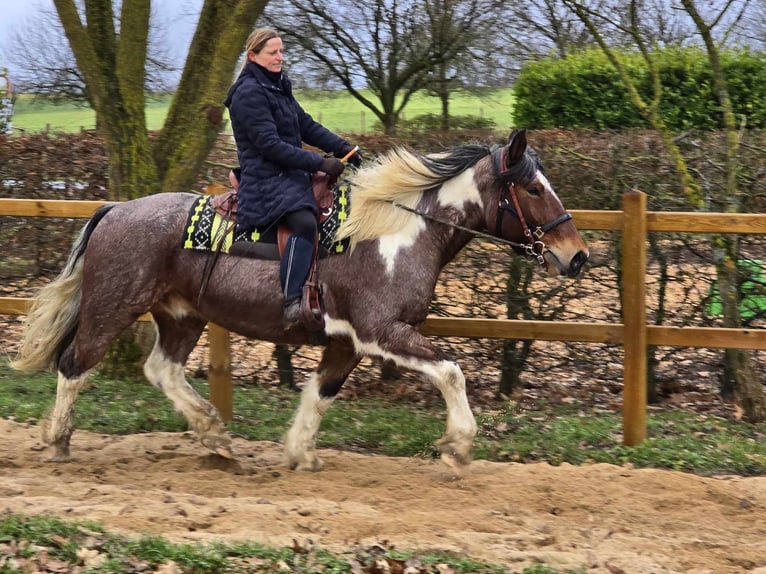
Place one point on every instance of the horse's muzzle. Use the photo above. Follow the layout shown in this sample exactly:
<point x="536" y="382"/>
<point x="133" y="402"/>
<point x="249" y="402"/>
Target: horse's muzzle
<point x="576" y="263"/>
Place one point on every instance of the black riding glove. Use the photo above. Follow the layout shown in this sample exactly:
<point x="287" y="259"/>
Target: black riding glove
<point x="355" y="159"/>
<point x="332" y="167"/>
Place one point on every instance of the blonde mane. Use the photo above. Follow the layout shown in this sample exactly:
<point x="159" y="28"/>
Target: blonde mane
<point x="399" y="175"/>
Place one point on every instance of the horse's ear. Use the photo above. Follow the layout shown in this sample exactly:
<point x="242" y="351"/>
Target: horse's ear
<point x="517" y="145"/>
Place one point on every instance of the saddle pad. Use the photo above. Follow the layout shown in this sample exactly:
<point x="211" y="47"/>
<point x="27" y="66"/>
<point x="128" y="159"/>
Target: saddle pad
<point x="205" y="229"/>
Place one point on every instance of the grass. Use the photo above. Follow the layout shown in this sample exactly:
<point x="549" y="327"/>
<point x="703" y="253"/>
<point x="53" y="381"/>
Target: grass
<point x="38" y="543"/>
<point x="338" y="111"/>
<point x="678" y="440"/>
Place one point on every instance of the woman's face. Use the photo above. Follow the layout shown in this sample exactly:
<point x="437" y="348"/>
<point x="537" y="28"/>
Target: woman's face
<point x="270" y="56"/>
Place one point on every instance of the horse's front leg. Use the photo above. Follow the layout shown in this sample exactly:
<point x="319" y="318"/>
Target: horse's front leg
<point x="338" y="360"/>
<point x="408" y="348"/>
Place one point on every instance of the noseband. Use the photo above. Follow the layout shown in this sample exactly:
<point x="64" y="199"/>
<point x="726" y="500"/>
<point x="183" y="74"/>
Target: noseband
<point x="508" y="202"/>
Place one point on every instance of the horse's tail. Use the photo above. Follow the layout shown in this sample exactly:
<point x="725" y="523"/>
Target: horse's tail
<point x="52" y="319"/>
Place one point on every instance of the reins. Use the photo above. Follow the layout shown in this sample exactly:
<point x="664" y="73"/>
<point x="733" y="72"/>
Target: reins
<point x="430" y="217"/>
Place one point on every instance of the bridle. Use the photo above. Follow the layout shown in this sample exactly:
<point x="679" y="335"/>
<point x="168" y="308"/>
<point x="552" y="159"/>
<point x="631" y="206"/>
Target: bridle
<point x="508" y="202"/>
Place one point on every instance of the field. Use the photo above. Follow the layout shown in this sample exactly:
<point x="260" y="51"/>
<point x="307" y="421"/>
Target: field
<point x="339" y="112"/>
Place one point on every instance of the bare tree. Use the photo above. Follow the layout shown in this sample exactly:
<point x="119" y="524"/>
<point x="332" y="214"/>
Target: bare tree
<point x="113" y="63"/>
<point x="545" y="27"/>
<point x="389" y="47"/>
<point x="54" y="74"/>
<point x="475" y="29"/>
<point x="726" y="15"/>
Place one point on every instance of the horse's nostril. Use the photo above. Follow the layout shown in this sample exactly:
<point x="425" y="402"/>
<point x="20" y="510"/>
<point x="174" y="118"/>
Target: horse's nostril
<point x="575" y="265"/>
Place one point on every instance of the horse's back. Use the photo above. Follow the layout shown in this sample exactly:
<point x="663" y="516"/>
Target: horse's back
<point x="146" y="220"/>
<point x="136" y="238"/>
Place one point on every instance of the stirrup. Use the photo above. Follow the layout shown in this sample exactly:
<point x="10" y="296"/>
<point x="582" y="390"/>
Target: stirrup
<point x="311" y="312"/>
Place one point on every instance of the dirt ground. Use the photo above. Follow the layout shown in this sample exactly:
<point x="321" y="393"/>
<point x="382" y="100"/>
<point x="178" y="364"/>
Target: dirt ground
<point x="603" y="518"/>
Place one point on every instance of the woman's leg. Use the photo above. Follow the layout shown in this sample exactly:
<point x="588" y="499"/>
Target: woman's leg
<point x="297" y="259"/>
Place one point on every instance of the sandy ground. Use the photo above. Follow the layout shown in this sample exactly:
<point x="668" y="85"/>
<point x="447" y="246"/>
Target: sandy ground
<point x="599" y="517"/>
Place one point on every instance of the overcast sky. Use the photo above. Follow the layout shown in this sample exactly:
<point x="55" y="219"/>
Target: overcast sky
<point x="178" y="16"/>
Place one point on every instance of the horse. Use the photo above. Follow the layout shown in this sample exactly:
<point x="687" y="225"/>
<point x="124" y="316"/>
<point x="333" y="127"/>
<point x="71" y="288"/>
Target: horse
<point x="410" y="215"/>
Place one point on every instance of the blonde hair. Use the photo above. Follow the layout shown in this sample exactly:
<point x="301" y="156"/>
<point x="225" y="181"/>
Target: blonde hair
<point x="256" y="41"/>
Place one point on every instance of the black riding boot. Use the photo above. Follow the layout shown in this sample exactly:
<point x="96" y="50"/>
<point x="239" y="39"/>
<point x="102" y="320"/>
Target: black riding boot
<point x="293" y="271"/>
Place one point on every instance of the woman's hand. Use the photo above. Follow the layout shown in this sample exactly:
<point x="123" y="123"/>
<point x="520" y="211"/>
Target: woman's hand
<point x="332" y="167"/>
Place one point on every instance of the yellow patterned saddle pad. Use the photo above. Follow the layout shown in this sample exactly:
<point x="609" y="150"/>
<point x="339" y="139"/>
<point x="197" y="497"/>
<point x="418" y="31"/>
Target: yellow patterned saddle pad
<point x="206" y="229"/>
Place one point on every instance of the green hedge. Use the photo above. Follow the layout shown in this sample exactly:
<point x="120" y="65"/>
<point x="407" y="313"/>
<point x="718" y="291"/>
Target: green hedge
<point x="583" y="90"/>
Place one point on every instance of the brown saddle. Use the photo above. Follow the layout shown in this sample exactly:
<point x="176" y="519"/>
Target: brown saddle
<point x="225" y="199"/>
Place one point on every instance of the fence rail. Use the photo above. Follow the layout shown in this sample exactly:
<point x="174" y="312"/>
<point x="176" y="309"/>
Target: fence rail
<point x="634" y="334"/>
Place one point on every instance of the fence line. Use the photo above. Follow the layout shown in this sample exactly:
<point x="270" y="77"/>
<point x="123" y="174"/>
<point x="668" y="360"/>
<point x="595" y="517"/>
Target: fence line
<point x="634" y="334"/>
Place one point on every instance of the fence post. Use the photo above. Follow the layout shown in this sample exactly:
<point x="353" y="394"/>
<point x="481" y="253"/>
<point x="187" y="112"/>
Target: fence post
<point x="219" y="344"/>
<point x="219" y="373"/>
<point x="634" y="317"/>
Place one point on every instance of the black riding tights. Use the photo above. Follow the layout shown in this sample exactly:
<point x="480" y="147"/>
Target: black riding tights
<point x="302" y="223"/>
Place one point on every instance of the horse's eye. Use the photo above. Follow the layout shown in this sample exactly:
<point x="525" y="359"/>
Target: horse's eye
<point x="533" y="190"/>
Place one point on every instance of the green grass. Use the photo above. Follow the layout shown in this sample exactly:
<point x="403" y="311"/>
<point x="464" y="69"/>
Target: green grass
<point x="32" y="543"/>
<point x="338" y="111"/>
<point x="33" y="115"/>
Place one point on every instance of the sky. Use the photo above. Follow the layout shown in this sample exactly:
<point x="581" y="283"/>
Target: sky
<point x="177" y="16"/>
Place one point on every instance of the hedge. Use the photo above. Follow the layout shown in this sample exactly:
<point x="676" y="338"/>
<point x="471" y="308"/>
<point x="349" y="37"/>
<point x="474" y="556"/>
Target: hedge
<point x="584" y="90"/>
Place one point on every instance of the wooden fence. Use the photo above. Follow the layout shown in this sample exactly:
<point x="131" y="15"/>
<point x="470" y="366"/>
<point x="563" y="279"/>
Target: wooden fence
<point x="634" y="334"/>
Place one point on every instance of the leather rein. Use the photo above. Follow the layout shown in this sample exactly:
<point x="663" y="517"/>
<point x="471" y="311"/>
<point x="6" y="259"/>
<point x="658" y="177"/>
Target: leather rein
<point x="507" y="202"/>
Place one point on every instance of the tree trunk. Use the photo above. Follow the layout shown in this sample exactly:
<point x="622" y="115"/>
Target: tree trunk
<point x="443" y="89"/>
<point x="515" y="352"/>
<point x="113" y="63"/>
<point x="739" y="371"/>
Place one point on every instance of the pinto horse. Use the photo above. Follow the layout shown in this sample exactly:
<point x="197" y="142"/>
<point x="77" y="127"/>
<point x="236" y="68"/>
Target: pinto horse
<point x="410" y="215"/>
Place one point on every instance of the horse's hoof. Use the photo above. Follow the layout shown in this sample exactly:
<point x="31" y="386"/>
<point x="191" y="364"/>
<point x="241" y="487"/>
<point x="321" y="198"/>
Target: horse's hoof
<point x="453" y="456"/>
<point x="456" y="465"/>
<point x="313" y="465"/>
<point x="61" y="454"/>
<point x="219" y="444"/>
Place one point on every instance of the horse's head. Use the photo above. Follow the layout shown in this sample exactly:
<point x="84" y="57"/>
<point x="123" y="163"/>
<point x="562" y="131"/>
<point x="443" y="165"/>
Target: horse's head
<point x="521" y="206"/>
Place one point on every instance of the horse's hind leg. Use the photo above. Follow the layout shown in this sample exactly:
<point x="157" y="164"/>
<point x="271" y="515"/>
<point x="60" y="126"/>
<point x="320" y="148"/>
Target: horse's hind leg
<point x="57" y="426"/>
<point x="338" y="360"/>
<point x="87" y="347"/>
<point x="176" y="338"/>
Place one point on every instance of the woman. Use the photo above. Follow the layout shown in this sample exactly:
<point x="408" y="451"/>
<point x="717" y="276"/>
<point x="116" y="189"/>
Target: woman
<point x="275" y="179"/>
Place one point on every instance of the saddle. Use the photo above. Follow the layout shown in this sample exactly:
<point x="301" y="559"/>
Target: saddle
<point x="312" y="310"/>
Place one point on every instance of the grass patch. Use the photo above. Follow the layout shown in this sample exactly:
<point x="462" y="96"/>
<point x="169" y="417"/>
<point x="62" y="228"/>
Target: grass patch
<point x="678" y="440"/>
<point x="338" y="111"/>
<point x="45" y="544"/>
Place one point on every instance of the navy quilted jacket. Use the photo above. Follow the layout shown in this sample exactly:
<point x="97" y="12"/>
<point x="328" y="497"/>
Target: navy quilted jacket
<point x="269" y="128"/>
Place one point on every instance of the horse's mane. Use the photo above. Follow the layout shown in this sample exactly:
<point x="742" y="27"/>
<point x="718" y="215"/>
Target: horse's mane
<point x="400" y="176"/>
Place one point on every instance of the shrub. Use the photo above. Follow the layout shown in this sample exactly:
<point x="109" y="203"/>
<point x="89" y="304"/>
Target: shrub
<point x="584" y="90"/>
